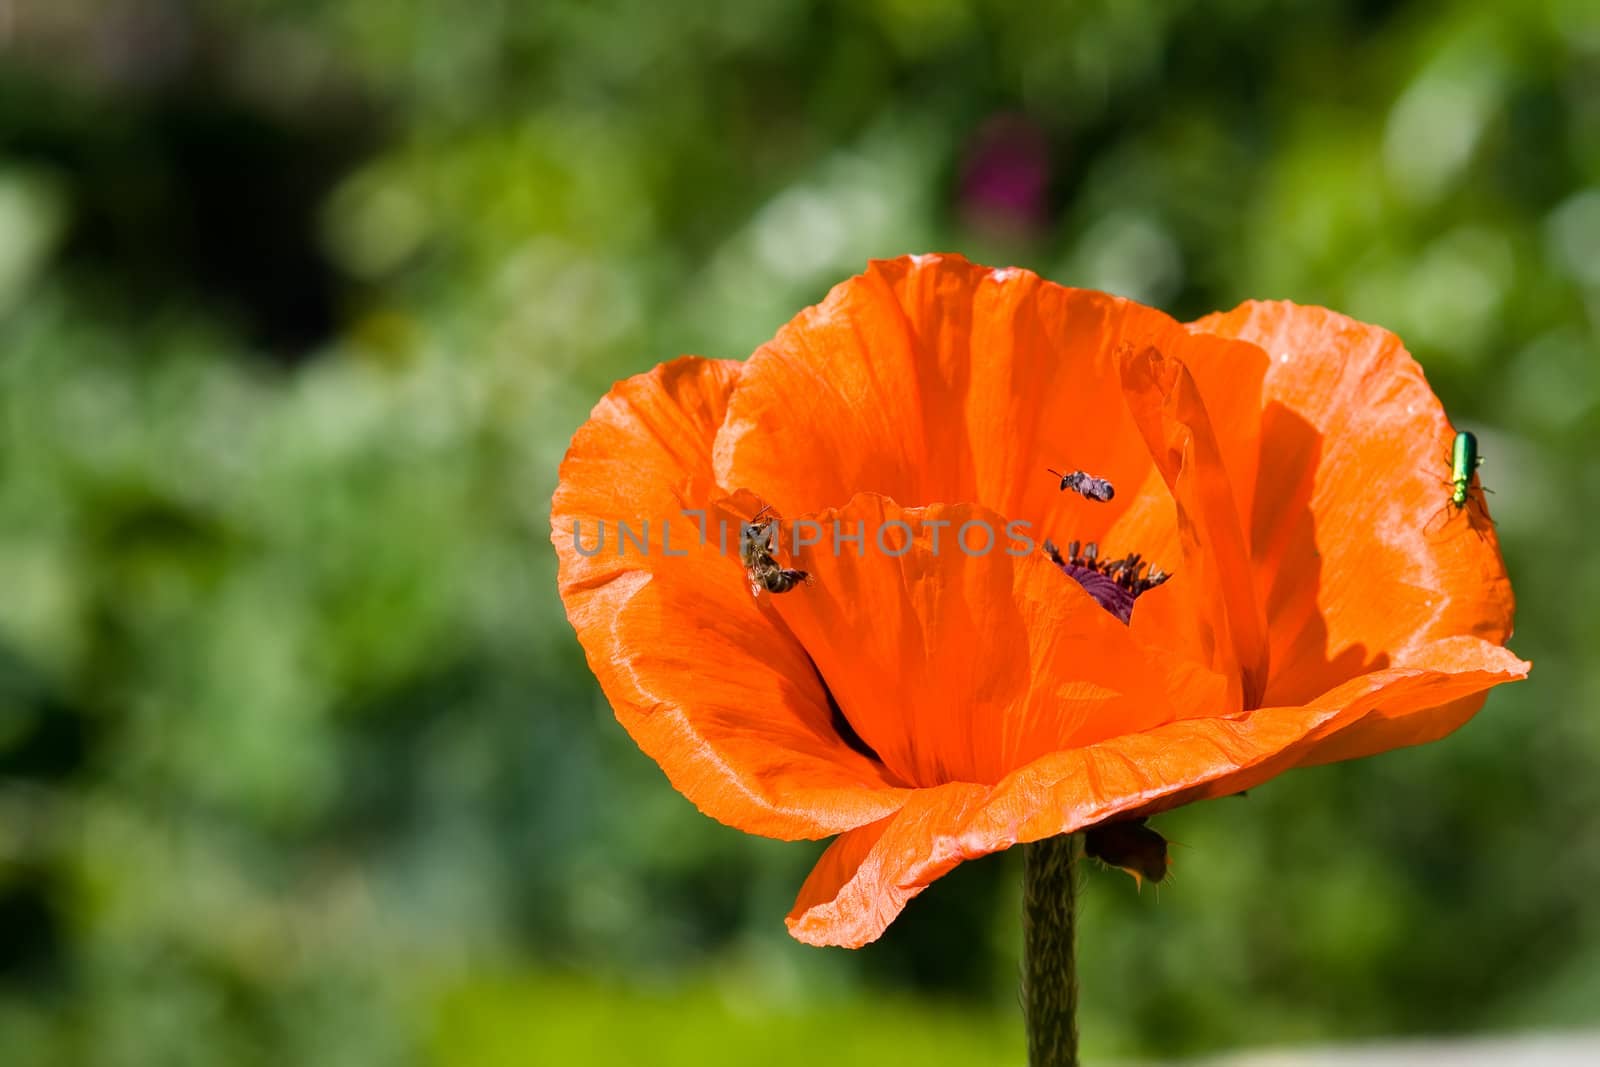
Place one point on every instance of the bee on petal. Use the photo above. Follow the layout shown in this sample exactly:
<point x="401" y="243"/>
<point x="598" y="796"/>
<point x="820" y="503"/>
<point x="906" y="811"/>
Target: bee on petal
<point x="758" y="541"/>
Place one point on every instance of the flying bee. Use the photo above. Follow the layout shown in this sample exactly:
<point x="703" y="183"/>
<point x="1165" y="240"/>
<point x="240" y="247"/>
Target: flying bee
<point x="1129" y="846"/>
<point x="1085" y="485"/>
<point x="1464" y="463"/>
<point x="757" y="542"/>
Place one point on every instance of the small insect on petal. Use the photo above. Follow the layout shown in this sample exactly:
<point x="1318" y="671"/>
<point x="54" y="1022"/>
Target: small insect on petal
<point x="1085" y="485"/>
<point x="757" y="542"/>
<point x="1464" y="463"/>
<point x="1129" y="846"/>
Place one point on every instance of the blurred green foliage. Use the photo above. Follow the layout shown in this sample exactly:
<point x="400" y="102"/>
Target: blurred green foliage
<point x="299" y="305"/>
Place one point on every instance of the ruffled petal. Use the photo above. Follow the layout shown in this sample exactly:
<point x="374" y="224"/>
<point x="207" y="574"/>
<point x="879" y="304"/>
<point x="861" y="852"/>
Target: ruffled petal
<point x="953" y="659"/>
<point x="1357" y="561"/>
<point x="1195" y="759"/>
<point x="1398" y="724"/>
<point x="645" y="452"/>
<point x="929" y="379"/>
<point x="865" y="878"/>
<point x="711" y="687"/>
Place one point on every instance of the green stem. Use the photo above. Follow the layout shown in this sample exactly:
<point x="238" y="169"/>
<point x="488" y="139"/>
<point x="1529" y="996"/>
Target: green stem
<point x="1049" y="970"/>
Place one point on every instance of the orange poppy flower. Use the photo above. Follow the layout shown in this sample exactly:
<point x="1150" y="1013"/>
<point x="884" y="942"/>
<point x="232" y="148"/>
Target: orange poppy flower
<point x="930" y="703"/>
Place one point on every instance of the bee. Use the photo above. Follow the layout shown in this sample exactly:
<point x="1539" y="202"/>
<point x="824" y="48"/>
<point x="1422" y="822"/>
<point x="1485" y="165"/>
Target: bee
<point x="757" y="542"/>
<point x="1129" y="846"/>
<point x="1085" y="485"/>
<point x="1464" y="463"/>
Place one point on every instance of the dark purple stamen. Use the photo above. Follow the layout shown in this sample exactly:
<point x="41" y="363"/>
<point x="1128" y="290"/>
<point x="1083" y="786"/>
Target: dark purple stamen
<point x="1114" y="583"/>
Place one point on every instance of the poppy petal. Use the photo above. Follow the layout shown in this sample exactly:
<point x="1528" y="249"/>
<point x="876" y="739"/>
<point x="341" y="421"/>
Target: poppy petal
<point x="1224" y="616"/>
<point x="1359" y="442"/>
<point x="929" y="379"/>
<point x="866" y="876"/>
<point x="645" y="451"/>
<point x="711" y="687"/>
<point x="1194" y="759"/>
<point x="1196" y="690"/>
<point x="1400" y="724"/>
<point x="952" y="659"/>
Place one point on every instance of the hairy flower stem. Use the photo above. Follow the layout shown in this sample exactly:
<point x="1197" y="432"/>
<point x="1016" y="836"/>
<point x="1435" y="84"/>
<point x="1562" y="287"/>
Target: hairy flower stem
<point x="1049" y="970"/>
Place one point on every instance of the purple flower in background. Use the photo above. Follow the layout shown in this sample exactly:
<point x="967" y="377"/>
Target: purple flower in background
<point x="1005" y="176"/>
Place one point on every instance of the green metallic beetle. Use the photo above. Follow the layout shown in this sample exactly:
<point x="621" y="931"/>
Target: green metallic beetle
<point x="1464" y="462"/>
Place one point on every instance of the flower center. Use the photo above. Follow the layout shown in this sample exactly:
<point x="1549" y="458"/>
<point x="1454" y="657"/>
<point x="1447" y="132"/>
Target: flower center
<point x="1115" y="583"/>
